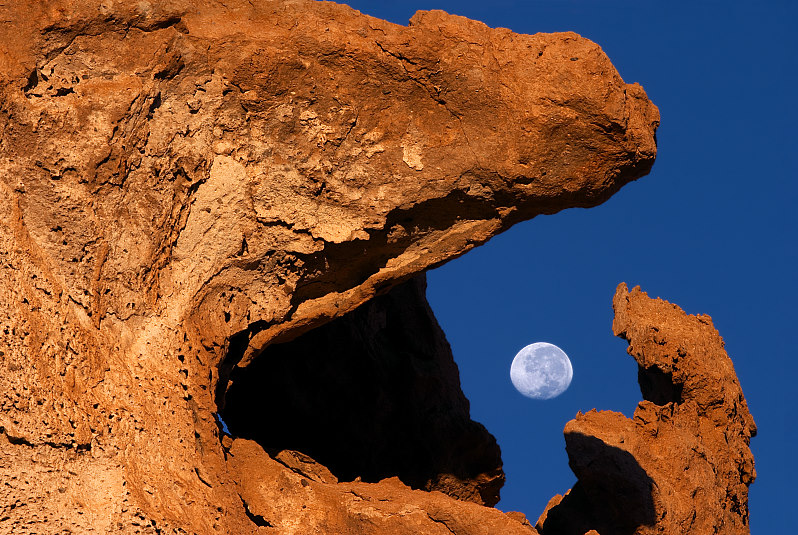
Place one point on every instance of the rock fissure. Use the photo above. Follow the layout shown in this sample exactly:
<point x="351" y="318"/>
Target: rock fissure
<point x="20" y="440"/>
<point x="256" y="519"/>
<point x="441" y="523"/>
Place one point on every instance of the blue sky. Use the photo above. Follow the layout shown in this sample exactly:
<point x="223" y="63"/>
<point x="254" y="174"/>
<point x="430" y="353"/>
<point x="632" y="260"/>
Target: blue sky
<point x="712" y="229"/>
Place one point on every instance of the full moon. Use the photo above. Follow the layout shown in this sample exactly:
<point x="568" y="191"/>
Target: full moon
<point x="541" y="371"/>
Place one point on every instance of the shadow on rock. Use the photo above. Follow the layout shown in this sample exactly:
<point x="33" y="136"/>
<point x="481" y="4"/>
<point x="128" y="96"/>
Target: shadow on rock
<point x="613" y="494"/>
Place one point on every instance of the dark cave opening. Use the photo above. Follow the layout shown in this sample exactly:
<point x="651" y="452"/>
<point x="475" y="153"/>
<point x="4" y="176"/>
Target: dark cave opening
<point x="372" y="394"/>
<point x="658" y="386"/>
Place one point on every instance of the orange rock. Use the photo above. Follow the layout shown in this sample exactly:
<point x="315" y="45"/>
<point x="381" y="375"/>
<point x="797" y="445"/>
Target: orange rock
<point x="276" y="497"/>
<point x="683" y="464"/>
<point x="184" y="184"/>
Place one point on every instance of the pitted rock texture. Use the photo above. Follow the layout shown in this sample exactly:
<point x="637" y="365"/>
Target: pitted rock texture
<point x="184" y="184"/>
<point x="683" y="464"/>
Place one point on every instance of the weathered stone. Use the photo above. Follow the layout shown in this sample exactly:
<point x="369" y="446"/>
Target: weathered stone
<point x="682" y="464"/>
<point x="185" y="184"/>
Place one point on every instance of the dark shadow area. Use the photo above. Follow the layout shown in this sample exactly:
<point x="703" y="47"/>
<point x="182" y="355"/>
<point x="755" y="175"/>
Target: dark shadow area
<point x="236" y="346"/>
<point x="658" y="386"/>
<point x="612" y="495"/>
<point x="373" y="394"/>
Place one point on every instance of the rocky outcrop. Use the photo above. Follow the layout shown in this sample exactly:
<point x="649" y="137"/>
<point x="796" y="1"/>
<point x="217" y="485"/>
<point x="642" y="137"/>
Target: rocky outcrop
<point x="307" y="504"/>
<point x="185" y="185"/>
<point x="682" y="465"/>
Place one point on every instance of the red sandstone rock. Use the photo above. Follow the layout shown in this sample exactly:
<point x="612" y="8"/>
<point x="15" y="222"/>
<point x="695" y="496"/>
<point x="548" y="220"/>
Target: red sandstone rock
<point x="683" y="464"/>
<point x="185" y="184"/>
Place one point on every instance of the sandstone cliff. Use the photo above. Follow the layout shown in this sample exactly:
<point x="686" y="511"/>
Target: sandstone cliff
<point x="195" y="195"/>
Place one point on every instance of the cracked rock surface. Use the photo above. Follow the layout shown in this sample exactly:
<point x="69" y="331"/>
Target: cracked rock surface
<point x="185" y="185"/>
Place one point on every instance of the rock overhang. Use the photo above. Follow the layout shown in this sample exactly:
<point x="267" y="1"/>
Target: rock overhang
<point x="191" y="181"/>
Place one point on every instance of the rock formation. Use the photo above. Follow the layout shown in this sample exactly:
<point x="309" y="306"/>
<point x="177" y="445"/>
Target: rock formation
<point x="682" y="465"/>
<point x="196" y="195"/>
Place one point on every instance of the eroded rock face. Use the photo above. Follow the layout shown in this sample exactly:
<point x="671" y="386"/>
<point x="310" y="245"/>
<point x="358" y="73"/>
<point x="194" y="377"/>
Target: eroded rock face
<point x="306" y="504"/>
<point x="185" y="184"/>
<point x="682" y="464"/>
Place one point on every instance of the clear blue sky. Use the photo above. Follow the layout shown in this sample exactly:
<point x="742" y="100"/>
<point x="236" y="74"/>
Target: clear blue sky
<point x="712" y="229"/>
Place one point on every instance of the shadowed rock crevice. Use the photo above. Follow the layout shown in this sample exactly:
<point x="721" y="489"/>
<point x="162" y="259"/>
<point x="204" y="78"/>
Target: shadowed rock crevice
<point x="612" y="496"/>
<point x="371" y="395"/>
<point x="236" y="347"/>
<point x="658" y="386"/>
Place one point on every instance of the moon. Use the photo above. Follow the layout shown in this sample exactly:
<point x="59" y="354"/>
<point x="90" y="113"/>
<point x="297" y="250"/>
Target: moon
<point x="541" y="371"/>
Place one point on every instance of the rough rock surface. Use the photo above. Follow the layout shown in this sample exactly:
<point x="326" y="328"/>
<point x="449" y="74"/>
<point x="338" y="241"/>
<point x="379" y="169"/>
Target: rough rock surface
<point x="184" y="184"/>
<point x="682" y="465"/>
<point x="305" y="504"/>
